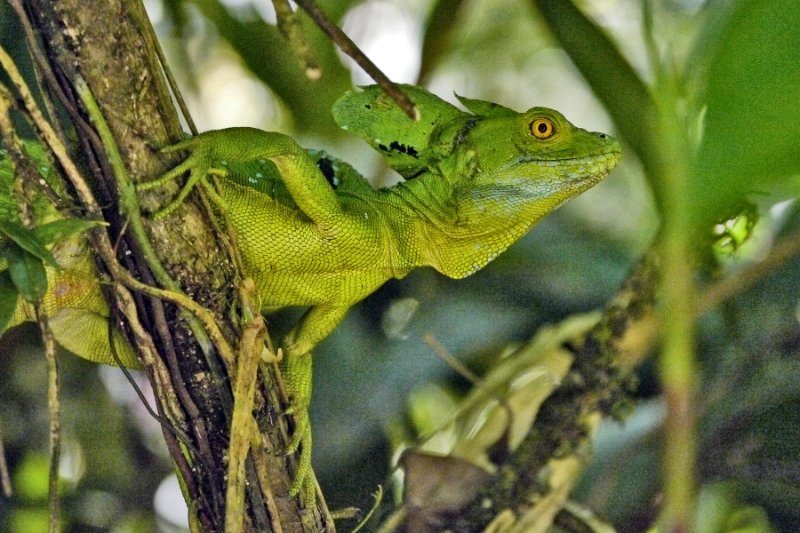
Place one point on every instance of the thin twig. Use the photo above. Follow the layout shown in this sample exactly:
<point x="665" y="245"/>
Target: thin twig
<point x="103" y="246"/>
<point x="44" y="75"/>
<point x="55" y="418"/>
<point x="129" y="203"/>
<point x="162" y="60"/>
<point x="243" y="424"/>
<point x="185" y="440"/>
<point x="45" y="130"/>
<point x="377" y="496"/>
<point x="461" y="369"/>
<point x="350" y="48"/>
<point x="12" y="141"/>
<point x="48" y="135"/>
<point x="451" y="361"/>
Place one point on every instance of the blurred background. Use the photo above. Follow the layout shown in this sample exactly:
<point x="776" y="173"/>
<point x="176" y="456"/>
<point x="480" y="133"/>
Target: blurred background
<point x="236" y="70"/>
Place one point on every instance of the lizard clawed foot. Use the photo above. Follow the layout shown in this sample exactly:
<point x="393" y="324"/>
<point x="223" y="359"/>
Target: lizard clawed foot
<point x="199" y="164"/>
<point x="297" y="376"/>
<point x="301" y="441"/>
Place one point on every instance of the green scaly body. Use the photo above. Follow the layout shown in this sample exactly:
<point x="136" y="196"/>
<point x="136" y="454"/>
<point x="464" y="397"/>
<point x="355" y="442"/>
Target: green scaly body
<point x="312" y="232"/>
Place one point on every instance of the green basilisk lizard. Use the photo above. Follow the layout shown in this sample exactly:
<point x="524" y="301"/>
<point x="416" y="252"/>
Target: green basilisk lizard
<point x="312" y="231"/>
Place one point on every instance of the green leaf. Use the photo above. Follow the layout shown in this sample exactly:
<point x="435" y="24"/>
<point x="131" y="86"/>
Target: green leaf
<point x="8" y="300"/>
<point x="59" y="230"/>
<point x="752" y="120"/>
<point x="27" y="240"/>
<point x="27" y="272"/>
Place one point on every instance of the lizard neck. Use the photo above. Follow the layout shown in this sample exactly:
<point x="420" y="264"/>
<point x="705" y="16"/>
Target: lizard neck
<point x="457" y="231"/>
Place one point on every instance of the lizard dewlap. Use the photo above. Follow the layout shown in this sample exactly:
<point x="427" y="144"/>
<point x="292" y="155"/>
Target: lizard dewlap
<point x="312" y="231"/>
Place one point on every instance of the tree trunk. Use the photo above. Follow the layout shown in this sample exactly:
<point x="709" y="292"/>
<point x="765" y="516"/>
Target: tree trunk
<point x="108" y="46"/>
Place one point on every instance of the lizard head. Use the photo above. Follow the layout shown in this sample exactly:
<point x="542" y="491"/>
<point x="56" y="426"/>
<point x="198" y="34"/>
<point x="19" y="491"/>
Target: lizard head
<point x="505" y="172"/>
<point x="535" y="156"/>
<point x="508" y="170"/>
<point x="488" y="145"/>
<point x="477" y="180"/>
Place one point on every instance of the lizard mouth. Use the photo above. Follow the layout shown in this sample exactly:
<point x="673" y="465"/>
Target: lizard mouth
<point x="610" y="159"/>
<point x="574" y="170"/>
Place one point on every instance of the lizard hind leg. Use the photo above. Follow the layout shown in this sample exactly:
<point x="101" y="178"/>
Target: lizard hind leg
<point x="296" y="368"/>
<point x="297" y="373"/>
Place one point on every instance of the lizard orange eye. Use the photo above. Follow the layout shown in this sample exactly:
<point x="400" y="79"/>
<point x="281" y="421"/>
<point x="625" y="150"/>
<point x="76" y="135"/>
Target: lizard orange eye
<point x="542" y="128"/>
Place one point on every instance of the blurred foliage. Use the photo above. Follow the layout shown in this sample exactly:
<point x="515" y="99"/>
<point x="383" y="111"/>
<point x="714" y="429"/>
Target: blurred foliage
<point x="729" y="69"/>
<point x="751" y="112"/>
<point x="111" y="460"/>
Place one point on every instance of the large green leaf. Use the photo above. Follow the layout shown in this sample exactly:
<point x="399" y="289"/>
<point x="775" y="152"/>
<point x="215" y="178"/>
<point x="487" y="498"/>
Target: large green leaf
<point x="751" y="141"/>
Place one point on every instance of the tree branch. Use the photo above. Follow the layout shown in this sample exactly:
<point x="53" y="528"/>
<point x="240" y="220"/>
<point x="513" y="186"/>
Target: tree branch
<point x="109" y="48"/>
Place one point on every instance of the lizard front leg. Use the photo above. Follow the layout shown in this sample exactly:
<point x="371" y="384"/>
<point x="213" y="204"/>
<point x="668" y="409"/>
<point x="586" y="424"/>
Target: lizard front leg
<point x="211" y="152"/>
<point x="314" y="326"/>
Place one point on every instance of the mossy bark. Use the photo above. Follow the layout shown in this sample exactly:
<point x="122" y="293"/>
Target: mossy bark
<point x="109" y="46"/>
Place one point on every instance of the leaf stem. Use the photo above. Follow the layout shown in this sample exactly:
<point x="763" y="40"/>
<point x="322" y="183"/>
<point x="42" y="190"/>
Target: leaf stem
<point x="677" y="364"/>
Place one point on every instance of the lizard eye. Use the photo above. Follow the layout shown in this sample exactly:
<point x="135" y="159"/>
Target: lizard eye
<point x="542" y="128"/>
